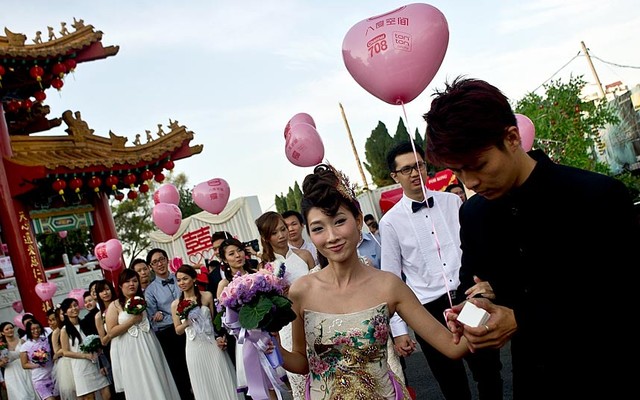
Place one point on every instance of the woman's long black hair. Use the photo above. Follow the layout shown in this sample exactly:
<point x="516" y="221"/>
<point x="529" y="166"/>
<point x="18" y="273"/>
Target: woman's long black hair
<point x="188" y="270"/>
<point x="68" y="325"/>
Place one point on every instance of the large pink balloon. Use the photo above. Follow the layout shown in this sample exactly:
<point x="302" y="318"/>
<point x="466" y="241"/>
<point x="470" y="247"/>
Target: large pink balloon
<point x="46" y="290"/>
<point x="212" y="195"/>
<point x="167" y="217"/>
<point x="527" y="131"/>
<point x="166" y="193"/>
<point x="17" y="320"/>
<point x="77" y="294"/>
<point x="304" y="146"/>
<point x="395" y="56"/>
<point x="300" y="117"/>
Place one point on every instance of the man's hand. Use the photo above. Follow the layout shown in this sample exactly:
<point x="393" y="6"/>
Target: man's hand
<point x="158" y="316"/>
<point x="404" y="345"/>
<point x="480" y="288"/>
<point x="496" y="332"/>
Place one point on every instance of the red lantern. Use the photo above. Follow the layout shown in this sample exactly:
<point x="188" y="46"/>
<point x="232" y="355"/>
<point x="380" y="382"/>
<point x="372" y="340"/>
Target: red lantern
<point x="146" y="175"/>
<point x="57" y="83"/>
<point x="144" y="188"/>
<point x="132" y="194"/>
<point x="28" y="103"/>
<point x="75" y="184"/>
<point x="95" y="183"/>
<point x="119" y="196"/>
<point x="59" y="185"/>
<point x="71" y="64"/>
<point x="159" y="177"/>
<point x="40" y="95"/>
<point x="130" y="180"/>
<point x="2" y="71"/>
<point x="168" y="165"/>
<point x="59" y="69"/>
<point x="13" y="106"/>
<point x="36" y="72"/>
<point x="112" y="181"/>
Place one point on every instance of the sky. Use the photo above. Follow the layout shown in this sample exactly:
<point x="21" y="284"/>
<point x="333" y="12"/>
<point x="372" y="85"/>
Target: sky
<point x="235" y="72"/>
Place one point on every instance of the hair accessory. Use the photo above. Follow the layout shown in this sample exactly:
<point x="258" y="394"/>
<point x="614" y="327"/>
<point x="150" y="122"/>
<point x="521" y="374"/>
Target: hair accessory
<point x="344" y="186"/>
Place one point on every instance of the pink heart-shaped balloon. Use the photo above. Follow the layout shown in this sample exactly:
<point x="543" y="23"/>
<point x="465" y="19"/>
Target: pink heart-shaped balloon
<point x="110" y="254"/>
<point x="167" y="217"/>
<point x="166" y="193"/>
<point x="212" y="195"/>
<point x="304" y="146"/>
<point x="395" y="56"/>
<point x="17" y="306"/>
<point x="46" y="290"/>
<point x="300" y="117"/>
<point x="17" y="320"/>
<point x="527" y="131"/>
<point x="62" y="234"/>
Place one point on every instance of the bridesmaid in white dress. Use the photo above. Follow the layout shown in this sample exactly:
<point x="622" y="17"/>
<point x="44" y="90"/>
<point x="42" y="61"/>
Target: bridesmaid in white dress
<point x="298" y="262"/>
<point x="62" y="369"/>
<point x="211" y="372"/>
<point x="232" y="255"/>
<point x="140" y="369"/>
<point x="86" y="373"/>
<point x="17" y="379"/>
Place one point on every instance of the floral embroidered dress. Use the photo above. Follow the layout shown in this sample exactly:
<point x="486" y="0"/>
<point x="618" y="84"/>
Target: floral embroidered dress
<point x="347" y="356"/>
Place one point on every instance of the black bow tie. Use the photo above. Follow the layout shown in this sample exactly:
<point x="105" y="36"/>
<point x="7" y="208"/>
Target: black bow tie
<point x="165" y="282"/>
<point x="417" y="205"/>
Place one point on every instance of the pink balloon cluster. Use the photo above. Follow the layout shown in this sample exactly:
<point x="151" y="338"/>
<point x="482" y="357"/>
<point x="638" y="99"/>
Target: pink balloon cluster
<point x="166" y="214"/>
<point x="46" y="290"/>
<point x="212" y="195"/>
<point x="109" y="254"/>
<point x="394" y="56"/>
<point x="527" y="131"/>
<point x="303" y="145"/>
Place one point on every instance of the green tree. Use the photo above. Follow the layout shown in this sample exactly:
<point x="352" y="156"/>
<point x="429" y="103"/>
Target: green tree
<point x="567" y="126"/>
<point x="52" y="246"/>
<point x="291" y="201"/>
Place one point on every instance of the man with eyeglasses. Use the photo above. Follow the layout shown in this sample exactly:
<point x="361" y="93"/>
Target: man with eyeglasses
<point x="422" y="242"/>
<point x="159" y="295"/>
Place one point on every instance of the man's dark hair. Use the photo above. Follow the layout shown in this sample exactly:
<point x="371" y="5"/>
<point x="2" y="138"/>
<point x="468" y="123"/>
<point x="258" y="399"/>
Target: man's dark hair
<point x="467" y="117"/>
<point x="26" y="317"/>
<point x="400" y="149"/>
<point x="293" y="213"/>
<point x="453" y="185"/>
<point x="86" y="293"/>
<point x="93" y="283"/>
<point x="369" y="217"/>
<point x="224" y="235"/>
<point x="137" y="261"/>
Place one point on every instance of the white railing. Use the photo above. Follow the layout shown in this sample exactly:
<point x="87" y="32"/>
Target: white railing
<point x="66" y="278"/>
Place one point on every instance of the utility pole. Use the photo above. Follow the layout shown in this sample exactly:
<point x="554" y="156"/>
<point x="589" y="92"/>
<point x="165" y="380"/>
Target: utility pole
<point x="593" y="70"/>
<point x="353" y="148"/>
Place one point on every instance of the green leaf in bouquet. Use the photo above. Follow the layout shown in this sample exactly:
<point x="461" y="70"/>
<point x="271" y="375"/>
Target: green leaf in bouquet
<point x="217" y="321"/>
<point x="281" y="301"/>
<point x="252" y="314"/>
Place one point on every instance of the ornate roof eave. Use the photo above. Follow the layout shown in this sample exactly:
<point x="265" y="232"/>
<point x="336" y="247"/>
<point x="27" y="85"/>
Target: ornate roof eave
<point x="38" y="157"/>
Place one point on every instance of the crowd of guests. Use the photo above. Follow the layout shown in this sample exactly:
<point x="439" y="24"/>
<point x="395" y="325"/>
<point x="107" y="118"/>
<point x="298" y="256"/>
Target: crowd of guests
<point x="357" y="292"/>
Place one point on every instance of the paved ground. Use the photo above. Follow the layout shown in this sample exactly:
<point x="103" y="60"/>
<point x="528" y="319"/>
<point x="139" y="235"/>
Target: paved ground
<point x="421" y="379"/>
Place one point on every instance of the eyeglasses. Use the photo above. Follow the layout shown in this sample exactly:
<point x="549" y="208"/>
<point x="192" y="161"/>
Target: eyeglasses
<point x="420" y="166"/>
<point x="158" y="261"/>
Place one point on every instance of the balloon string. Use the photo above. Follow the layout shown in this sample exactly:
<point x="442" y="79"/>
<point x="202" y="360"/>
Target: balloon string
<point x="423" y="185"/>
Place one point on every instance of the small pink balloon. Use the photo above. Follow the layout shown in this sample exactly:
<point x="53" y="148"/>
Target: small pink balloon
<point x="62" y="234"/>
<point x="175" y="263"/>
<point x="17" y="306"/>
<point x="300" y="117"/>
<point x="46" y="290"/>
<point x="77" y="294"/>
<point x="304" y="146"/>
<point x="527" y="131"/>
<point x="212" y="195"/>
<point x="167" y="217"/>
<point x="109" y="254"/>
<point x="395" y="56"/>
<point x="167" y="193"/>
<point x="17" y="320"/>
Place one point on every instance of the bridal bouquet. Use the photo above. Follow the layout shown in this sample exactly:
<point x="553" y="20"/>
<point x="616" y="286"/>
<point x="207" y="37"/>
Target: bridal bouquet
<point x="135" y="305"/>
<point x="4" y="349"/>
<point x="185" y="307"/>
<point x="254" y="305"/>
<point x="40" y="356"/>
<point x="91" y="344"/>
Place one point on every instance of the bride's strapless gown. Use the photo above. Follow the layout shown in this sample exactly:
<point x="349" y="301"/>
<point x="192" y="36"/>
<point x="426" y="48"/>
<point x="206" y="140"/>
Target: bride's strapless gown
<point x="347" y="355"/>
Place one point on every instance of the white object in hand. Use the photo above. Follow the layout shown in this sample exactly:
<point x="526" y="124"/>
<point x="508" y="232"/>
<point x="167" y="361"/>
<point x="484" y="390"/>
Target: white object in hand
<point x="473" y="315"/>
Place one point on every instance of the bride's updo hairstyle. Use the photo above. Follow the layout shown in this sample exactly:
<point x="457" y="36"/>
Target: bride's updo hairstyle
<point x="328" y="189"/>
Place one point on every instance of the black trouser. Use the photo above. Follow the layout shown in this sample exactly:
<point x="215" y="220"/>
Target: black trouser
<point x="451" y="374"/>
<point x="173" y="347"/>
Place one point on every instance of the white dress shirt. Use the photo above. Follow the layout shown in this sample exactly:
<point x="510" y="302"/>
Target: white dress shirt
<point x="425" y="246"/>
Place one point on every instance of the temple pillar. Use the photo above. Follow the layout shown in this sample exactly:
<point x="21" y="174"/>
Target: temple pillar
<point x="103" y="229"/>
<point x="20" y="238"/>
